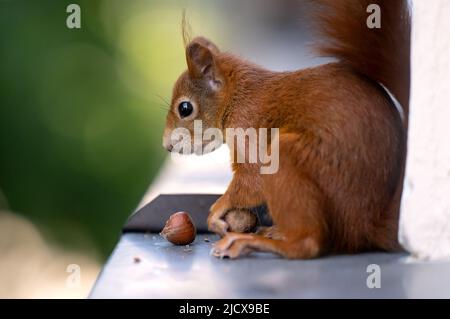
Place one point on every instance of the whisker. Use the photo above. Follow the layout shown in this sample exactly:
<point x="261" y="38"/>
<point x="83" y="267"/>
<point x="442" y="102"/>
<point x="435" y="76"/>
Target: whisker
<point x="161" y="106"/>
<point x="163" y="99"/>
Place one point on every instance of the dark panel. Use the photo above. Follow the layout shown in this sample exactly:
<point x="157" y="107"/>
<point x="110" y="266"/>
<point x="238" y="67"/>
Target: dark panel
<point x="153" y="216"/>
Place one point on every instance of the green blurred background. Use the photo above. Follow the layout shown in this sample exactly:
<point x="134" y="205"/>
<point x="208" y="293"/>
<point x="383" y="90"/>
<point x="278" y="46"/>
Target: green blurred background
<point x="81" y="113"/>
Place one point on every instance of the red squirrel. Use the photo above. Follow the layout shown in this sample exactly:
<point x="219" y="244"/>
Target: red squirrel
<point x="342" y="142"/>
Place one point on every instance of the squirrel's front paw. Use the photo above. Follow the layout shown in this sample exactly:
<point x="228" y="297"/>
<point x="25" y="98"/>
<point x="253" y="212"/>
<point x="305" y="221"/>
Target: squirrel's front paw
<point x="218" y="226"/>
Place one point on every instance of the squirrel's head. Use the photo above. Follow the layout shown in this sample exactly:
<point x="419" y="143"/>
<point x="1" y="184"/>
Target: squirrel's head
<point x="199" y="93"/>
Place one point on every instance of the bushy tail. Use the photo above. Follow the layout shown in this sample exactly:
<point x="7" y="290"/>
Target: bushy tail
<point x="382" y="54"/>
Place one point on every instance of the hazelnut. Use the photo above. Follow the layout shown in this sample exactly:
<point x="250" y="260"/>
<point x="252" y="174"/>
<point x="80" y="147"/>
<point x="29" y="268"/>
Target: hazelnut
<point x="241" y="221"/>
<point x="179" y="229"/>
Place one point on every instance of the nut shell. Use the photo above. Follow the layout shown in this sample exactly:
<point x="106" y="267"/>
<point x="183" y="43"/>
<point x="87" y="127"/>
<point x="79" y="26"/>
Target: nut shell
<point x="179" y="229"/>
<point x="241" y="221"/>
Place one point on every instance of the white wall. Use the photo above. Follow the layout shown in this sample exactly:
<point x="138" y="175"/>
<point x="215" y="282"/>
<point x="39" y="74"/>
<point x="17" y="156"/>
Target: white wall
<point x="425" y="212"/>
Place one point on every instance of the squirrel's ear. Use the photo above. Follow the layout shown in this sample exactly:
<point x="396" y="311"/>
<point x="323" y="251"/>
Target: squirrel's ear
<point x="200" y="58"/>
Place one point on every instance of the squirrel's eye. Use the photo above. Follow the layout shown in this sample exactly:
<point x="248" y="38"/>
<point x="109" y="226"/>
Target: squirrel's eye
<point x="185" y="109"/>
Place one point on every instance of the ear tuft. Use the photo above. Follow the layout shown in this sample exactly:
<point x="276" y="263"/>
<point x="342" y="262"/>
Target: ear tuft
<point x="186" y="29"/>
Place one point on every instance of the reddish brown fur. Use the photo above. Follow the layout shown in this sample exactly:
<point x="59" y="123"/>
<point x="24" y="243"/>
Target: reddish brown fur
<point x="342" y="143"/>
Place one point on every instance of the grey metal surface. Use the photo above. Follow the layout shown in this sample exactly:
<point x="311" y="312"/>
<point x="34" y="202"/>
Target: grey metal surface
<point x="167" y="271"/>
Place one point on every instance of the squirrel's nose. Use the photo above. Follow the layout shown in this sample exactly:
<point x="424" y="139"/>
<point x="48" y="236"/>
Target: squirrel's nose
<point x="169" y="147"/>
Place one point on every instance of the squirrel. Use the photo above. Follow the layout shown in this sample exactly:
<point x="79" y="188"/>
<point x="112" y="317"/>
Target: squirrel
<point x="342" y="142"/>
